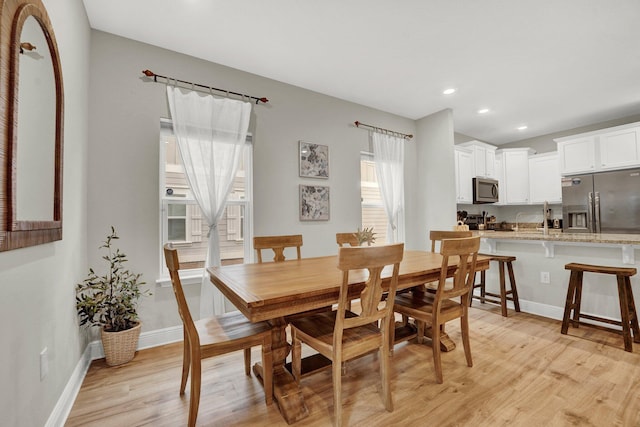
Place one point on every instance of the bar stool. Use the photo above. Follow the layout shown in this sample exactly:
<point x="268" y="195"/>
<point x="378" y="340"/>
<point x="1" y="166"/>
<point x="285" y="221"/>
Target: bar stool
<point x="504" y="295"/>
<point x="628" y="312"/>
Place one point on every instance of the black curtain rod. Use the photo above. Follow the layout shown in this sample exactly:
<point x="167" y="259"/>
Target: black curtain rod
<point x="155" y="76"/>
<point x="382" y="130"/>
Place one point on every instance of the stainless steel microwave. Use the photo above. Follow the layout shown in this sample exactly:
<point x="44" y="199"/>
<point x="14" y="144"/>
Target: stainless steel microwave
<point x="485" y="190"/>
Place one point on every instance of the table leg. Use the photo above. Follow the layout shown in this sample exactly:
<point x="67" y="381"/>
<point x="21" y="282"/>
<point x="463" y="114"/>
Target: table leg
<point x="286" y="392"/>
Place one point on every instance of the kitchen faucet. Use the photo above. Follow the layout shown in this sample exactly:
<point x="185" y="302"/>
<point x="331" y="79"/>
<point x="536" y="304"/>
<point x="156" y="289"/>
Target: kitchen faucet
<point x="545" y="213"/>
<point x="517" y="215"/>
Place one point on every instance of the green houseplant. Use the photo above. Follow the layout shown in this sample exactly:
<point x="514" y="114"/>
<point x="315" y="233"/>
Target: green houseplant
<point x="110" y="302"/>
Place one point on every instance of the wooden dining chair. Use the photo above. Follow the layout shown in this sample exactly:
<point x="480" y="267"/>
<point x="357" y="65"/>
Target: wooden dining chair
<point x="277" y="244"/>
<point x="341" y="335"/>
<point x="437" y="309"/>
<point x="215" y="336"/>
<point x="347" y="239"/>
<point x="436" y="237"/>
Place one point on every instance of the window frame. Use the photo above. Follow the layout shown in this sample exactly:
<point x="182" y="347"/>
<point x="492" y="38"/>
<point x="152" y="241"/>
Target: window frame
<point x="194" y="275"/>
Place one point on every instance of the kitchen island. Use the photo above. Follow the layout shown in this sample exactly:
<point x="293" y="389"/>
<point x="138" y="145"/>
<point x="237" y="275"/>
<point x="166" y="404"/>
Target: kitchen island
<point x="540" y="275"/>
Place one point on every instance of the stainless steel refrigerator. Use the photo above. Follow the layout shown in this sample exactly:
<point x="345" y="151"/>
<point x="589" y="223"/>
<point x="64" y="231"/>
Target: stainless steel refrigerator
<point x="605" y="202"/>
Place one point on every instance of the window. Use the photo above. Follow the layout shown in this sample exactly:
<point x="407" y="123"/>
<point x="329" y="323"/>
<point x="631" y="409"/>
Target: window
<point x="373" y="213"/>
<point x="182" y="222"/>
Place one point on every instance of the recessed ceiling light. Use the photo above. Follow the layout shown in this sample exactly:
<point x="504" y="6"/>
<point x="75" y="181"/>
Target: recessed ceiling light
<point x="483" y="111"/>
<point x="524" y="127"/>
<point x="448" y="91"/>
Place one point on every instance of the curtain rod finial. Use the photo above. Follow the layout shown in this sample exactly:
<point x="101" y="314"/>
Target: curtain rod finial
<point x="357" y="123"/>
<point x="148" y="73"/>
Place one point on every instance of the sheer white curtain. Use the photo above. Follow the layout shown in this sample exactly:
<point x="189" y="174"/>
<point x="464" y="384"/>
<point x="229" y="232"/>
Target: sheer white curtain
<point x="211" y="133"/>
<point x="388" y="154"/>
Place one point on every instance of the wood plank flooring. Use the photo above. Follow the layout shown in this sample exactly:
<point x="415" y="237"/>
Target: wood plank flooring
<point x="525" y="373"/>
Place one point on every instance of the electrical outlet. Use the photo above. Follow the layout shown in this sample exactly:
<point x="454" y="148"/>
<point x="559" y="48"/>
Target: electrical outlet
<point x="44" y="363"/>
<point x="544" y="277"/>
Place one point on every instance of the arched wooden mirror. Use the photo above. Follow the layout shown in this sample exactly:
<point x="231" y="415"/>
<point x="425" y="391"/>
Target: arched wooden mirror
<point x="31" y="95"/>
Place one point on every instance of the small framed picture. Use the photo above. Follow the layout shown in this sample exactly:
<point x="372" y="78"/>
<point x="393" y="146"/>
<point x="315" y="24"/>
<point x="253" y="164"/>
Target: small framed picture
<point x="314" y="203"/>
<point x="314" y="160"/>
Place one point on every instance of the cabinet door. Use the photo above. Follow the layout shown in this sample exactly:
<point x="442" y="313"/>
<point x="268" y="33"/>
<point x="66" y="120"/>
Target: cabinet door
<point x="577" y="156"/>
<point x="620" y="149"/>
<point x="516" y="176"/>
<point x="464" y="173"/>
<point x="490" y="162"/>
<point x="479" y="161"/>
<point x="545" y="179"/>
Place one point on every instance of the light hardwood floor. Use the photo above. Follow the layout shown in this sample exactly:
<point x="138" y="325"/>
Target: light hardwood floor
<point x="525" y="373"/>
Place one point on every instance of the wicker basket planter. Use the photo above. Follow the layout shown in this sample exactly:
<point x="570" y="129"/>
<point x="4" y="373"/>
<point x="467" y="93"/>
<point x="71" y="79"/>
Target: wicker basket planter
<point x="120" y="347"/>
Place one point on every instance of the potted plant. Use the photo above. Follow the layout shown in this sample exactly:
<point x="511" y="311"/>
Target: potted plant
<point x="366" y="235"/>
<point x="110" y="302"/>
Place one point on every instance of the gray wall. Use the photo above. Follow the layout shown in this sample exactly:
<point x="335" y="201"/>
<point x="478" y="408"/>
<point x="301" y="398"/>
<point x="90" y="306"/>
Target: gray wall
<point x="123" y="156"/>
<point x="37" y="306"/>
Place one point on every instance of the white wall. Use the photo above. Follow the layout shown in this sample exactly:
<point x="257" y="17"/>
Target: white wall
<point x="37" y="308"/>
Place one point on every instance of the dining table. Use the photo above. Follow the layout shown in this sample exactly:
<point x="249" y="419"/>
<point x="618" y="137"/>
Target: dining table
<point x="275" y="291"/>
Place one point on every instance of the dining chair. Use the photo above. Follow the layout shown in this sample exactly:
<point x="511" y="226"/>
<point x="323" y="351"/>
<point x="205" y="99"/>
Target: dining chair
<point x="277" y="244"/>
<point x="437" y="309"/>
<point x="215" y="336"/>
<point x="347" y="239"/>
<point x="436" y="237"/>
<point x="342" y="335"/>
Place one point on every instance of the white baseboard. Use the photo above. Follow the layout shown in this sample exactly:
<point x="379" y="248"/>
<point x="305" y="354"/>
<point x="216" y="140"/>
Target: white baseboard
<point x="93" y="351"/>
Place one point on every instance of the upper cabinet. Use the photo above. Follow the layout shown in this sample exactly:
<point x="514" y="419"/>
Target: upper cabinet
<point x="606" y="149"/>
<point x="464" y="174"/>
<point x="514" y="179"/>
<point x="544" y="178"/>
<point x="484" y="158"/>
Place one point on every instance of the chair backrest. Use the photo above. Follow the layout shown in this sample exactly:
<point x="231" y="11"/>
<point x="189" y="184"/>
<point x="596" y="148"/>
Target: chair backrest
<point x="347" y="239"/>
<point x="440" y="235"/>
<point x="465" y="251"/>
<point x="278" y="244"/>
<point x="374" y="259"/>
<point x="171" y="258"/>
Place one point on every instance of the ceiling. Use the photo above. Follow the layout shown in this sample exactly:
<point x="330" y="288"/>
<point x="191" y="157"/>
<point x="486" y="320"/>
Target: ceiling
<point x="549" y="65"/>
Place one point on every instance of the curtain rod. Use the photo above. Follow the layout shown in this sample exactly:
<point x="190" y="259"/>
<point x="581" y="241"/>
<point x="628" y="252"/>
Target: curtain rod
<point x="155" y="76"/>
<point x="382" y="130"/>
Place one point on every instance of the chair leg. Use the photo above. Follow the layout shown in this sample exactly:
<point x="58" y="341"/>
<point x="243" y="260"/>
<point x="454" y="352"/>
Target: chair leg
<point x="435" y="346"/>
<point x="194" y="399"/>
<point x="186" y="361"/>
<point x="624" y="314"/>
<point x="267" y="370"/>
<point x="464" y="326"/>
<point x="503" y="289"/>
<point x="247" y="361"/>
<point x="569" y="302"/>
<point x="514" y="288"/>
<point x="633" y="313"/>
<point x="337" y="390"/>
<point x="296" y="356"/>
<point x="385" y="373"/>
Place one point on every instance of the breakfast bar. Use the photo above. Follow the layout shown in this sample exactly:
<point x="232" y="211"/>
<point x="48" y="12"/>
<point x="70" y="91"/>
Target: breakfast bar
<point x="540" y="271"/>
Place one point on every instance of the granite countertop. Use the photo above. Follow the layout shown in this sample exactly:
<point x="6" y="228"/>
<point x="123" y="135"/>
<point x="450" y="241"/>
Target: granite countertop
<point x="558" y="236"/>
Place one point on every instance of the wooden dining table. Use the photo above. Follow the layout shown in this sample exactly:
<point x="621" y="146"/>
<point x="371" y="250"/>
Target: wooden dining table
<point x="275" y="290"/>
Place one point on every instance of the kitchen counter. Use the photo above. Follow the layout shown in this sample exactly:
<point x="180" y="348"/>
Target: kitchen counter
<point x="559" y="236"/>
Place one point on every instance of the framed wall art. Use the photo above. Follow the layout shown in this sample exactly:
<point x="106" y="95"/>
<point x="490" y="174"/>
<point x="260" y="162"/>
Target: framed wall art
<point x="314" y="160"/>
<point x="314" y="203"/>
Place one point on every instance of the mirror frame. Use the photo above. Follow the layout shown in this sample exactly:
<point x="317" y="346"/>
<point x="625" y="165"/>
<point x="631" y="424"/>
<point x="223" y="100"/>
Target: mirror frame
<point x="16" y="233"/>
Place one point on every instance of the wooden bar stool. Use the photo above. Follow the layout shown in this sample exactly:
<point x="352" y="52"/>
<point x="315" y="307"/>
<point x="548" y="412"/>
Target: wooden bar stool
<point x="628" y="312"/>
<point x="504" y="295"/>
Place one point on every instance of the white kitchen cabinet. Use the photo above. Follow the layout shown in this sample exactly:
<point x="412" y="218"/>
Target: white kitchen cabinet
<point x="545" y="178"/>
<point x="577" y="155"/>
<point x="620" y="149"/>
<point x="484" y="157"/>
<point x="514" y="182"/>
<point x="464" y="174"/>
<point x="606" y="149"/>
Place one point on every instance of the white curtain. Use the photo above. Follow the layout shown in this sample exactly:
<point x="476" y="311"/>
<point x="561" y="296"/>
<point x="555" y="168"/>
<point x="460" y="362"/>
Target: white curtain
<point x="211" y="133"/>
<point x="388" y="154"/>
